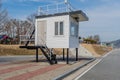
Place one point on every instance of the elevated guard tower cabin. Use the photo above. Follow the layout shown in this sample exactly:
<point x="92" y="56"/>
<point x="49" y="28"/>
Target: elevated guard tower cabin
<point x="57" y="26"/>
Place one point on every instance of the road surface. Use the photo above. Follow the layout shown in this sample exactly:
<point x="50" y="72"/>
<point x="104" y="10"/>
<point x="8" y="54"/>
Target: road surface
<point x="107" y="69"/>
<point x="9" y="59"/>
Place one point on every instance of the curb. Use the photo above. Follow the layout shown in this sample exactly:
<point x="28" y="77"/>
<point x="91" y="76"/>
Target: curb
<point x="73" y="70"/>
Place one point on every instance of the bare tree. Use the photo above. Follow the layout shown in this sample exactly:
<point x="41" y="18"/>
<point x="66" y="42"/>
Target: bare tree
<point x="3" y="17"/>
<point x="31" y="18"/>
<point x="96" y="38"/>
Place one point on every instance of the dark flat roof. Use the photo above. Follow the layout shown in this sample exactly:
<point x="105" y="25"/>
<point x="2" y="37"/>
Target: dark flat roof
<point x="75" y="14"/>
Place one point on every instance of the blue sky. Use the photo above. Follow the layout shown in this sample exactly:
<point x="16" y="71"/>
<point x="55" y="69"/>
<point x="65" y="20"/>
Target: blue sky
<point x="104" y="15"/>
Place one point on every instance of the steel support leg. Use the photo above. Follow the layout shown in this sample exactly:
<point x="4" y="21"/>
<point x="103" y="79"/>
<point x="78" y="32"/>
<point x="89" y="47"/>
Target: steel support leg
<point x="63" y="54"/>
<point x="67" y="55"/>
<point x="76" y="54"/>
<point x="36" y="54"/>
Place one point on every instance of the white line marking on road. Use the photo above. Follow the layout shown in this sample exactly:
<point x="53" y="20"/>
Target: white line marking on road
<point x="93" y="66"/>
<point x="107" y="54"/>
<point x="87" y="70"/>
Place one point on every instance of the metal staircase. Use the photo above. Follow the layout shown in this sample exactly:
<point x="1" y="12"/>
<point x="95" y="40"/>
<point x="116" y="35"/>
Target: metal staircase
<point x="51" y="57"/>
<point x="48" y="53"/>
<point x="27" y="35"/>
<point x="30" y="38"/>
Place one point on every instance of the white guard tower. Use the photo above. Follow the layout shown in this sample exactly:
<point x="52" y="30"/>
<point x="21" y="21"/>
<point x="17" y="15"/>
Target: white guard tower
<point x="57" y="26"/>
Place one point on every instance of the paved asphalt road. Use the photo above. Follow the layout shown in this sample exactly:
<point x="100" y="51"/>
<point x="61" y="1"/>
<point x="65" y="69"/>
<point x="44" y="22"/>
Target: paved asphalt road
<point x="9" y="59"/>
<point x="107" y="69"/>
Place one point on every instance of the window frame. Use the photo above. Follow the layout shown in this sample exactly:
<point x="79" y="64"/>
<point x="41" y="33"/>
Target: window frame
<point x="59" y="28"/>
<point x="74" y="29"/>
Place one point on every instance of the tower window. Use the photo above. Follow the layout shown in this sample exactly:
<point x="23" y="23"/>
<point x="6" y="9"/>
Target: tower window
<point x="59" y="28"/>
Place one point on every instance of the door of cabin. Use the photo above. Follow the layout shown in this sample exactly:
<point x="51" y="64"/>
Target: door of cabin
<point x="41" y="33"/>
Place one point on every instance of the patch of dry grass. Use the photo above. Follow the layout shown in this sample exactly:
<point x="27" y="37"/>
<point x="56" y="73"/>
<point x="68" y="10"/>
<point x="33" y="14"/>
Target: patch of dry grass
<point x="97" y="50"/>
<point x="14" y="50"/>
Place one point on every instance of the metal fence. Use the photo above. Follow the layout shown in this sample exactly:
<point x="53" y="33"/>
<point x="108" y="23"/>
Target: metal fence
<point x="55" y="8"/>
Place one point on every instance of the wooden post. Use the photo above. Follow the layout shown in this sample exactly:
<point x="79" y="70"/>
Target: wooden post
<point x="67" y="55"/>
<point x="36" y="54"/>
<point x="63" y="54"/>
<point x="76" y="54"/>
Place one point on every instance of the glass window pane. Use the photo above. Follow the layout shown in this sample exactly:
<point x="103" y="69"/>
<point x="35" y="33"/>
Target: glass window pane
<point x="61" y="28"/>
<point x="56" y="28"/>
<point x="72" y="29"/>
<point x="77" y="30"/>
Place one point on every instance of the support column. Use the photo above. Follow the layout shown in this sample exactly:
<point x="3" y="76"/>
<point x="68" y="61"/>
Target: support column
<point x="67" y="55"/>
<point x="36" y="54"/>
<point x="63" y="54"/>
<point x="76" y="54"/>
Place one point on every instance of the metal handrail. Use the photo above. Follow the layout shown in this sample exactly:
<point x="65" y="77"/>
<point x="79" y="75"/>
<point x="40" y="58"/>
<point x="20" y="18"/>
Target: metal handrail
<point x="55" y="8"/>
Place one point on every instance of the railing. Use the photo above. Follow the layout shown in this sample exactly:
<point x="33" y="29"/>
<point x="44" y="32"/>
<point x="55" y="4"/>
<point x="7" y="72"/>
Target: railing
<point x="55" y="8"/>
<point x="25" y="38"/>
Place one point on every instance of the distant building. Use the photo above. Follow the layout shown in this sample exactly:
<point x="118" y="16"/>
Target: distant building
<point x="108" y="44"/>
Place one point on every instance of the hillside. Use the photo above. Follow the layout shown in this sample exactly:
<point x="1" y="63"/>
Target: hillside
<point x="96" y="50"/>
<point x="116" y="44"/>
